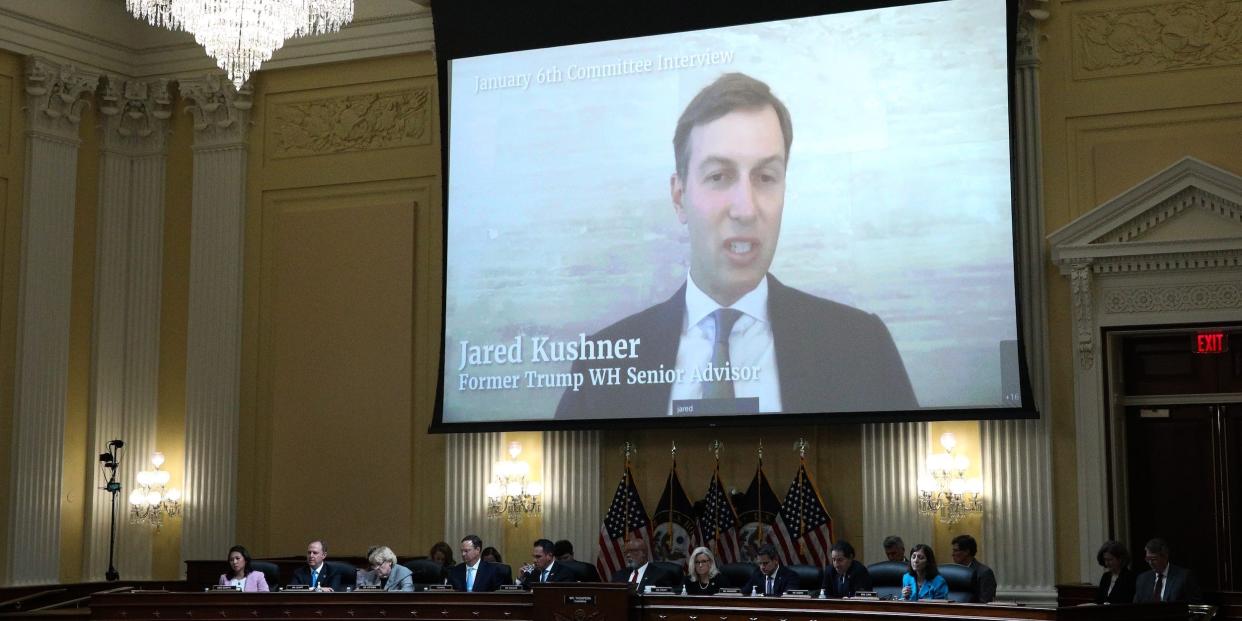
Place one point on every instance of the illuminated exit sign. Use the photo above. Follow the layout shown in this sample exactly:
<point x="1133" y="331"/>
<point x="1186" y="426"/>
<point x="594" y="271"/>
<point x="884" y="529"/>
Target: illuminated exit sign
<point x="1211" y="343"/>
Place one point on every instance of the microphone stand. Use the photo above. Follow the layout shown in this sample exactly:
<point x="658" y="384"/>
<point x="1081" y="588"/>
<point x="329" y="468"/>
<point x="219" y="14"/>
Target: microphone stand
<point x="111" y="461"/>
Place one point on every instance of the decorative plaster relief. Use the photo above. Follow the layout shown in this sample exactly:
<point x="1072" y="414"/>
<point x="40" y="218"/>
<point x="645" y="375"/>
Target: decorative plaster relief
<point x="135" y="113"/>
<point x="55" y="97"/>
<point x="1084" y="316"/>
<point x="1163" y="299"/>
<point x="351" y="123"/>
<point x="1191" y="197"/>
<point x="221" y="113"/>
<point x="1158" y="37"/>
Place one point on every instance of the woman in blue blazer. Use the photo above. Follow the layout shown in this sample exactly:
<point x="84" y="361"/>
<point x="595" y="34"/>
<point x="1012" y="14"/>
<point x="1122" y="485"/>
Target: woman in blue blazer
<point x="241" y="574"/>
<point x="923" y="580"/>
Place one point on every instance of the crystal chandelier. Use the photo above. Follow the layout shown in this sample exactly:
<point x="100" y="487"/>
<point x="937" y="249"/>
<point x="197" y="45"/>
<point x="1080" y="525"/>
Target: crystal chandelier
<point x="510" y="494"/>
<point x="242" y="34"/>
<point x="945" y="492"/>
<point x="151" y="502"/>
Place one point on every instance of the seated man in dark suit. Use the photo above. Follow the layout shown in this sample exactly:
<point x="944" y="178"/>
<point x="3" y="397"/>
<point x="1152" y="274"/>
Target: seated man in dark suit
<point x="843" y="577"/>
<point x="473" y="573"/>
<point x="984" y="581"/>
<point x="641" y="573"/>
<point x="319" y="575"/>
<point x="564" y="552"/>
<point x="545" y="567"/>
<point x="1165" y="582"/>
<point x="781" y="349"/>
<point x="769" y="577"/>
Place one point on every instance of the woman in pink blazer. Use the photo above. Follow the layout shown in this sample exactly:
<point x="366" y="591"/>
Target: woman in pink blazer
<point x="240" y="574"/>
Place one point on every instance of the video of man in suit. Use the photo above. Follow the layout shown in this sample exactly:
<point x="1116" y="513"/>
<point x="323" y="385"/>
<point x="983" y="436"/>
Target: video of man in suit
<point x="809" y="216"/>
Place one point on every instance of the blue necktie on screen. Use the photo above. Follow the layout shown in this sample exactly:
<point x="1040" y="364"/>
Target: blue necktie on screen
<point x="469" y="578"/>
<point x="724" y="319"/>
<point x="314" y="578"/>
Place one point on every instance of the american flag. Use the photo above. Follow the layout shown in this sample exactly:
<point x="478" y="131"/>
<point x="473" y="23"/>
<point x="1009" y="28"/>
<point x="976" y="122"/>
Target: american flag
<point x="626" y="518"/>
<point x="806" y="521"/>
<point x="719" y="522"/>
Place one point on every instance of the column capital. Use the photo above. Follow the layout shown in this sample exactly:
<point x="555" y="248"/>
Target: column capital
<point x="221" y="113"/>
<point x="54" y="98"/>
<point x="135" y="115"/>
<point x="1031" y="14"/>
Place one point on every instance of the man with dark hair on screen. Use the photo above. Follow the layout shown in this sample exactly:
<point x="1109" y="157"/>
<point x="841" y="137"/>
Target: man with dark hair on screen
<point x="733" y="338"/>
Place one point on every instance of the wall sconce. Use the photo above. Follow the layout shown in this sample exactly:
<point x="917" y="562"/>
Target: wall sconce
<point x="944" y="490"/>
<point x="510" y="494"/>
<point x="151" y="501"/>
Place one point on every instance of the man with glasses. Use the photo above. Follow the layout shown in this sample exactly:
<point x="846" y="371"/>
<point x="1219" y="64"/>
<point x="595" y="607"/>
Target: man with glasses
<point x="1165" y="582"/>
<point x="770" y="577"/>
<point x="473" y="573"/>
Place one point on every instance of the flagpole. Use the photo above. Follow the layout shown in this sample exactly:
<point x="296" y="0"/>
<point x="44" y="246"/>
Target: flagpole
<point x="625" y="478"/>
<point x="801" y="446"/>
<point x="715" y="510"/>
<point x="759" y="477"/>
<point x="671" y="492"/>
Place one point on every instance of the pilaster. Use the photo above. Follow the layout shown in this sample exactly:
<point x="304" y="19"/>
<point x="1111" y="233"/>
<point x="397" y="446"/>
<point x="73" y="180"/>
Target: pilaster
<point x="893" y="456"/>
<point x="54" y="104"/>
<point x="213" y="339"/>
<point x="125" y="366"/>
<point x="468" y="464"/>
<point x="571" y="499"/>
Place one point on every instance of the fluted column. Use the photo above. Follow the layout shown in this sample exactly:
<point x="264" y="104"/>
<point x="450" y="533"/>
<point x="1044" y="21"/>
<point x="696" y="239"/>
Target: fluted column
<point x="893" y="456"/>
<point x="54" y="105"/>
<point x="213" y="339"/>
<point x="129" y="258"/>
<point x="1017" y="534"/>
<point x="571" y="489"/>
<point x="469" y="458"/>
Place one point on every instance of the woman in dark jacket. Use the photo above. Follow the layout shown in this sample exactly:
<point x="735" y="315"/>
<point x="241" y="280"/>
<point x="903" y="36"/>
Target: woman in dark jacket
<point x="705" y="578"/>
<point x="1117" y="584"/>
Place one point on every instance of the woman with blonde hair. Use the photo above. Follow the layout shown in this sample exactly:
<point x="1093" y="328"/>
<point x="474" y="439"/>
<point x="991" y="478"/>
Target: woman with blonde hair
<point x="705" y="578"/>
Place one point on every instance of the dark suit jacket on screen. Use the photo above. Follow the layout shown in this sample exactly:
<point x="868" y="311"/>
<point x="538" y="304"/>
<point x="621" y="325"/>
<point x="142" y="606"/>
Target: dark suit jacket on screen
<point x="486" y="579"/>
<point x="329" y="576"/>
<point x="857" y="578"/>
<point x="654" y="575"/>
<point x="1180" y="586"/>
<point x="785" y="578"/>
<point x="1123" y="592"/>
<point x="831" y="358"/>
<point x="557" y="572"/>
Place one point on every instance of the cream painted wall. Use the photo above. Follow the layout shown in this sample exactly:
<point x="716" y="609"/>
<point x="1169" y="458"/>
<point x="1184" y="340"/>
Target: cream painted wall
<point x="1117" y="107"/>
<point x="342" y="282"/>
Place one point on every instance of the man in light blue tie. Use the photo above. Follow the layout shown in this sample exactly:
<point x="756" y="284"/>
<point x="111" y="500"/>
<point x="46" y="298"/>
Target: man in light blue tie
<point x="474" y="574"/>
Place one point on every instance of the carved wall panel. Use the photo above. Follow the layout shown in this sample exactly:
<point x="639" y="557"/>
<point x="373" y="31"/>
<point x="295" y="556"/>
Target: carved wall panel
<point x="348" y="123"/>
<point x="1165" y="299"/>
<point x="1159" y="37"/>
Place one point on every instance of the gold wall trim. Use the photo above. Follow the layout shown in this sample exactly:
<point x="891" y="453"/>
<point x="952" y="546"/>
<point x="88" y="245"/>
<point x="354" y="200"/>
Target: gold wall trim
<point x="361" y="122"/>
<point x="6" y="114"/>
<point x="1155" y="38"/>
